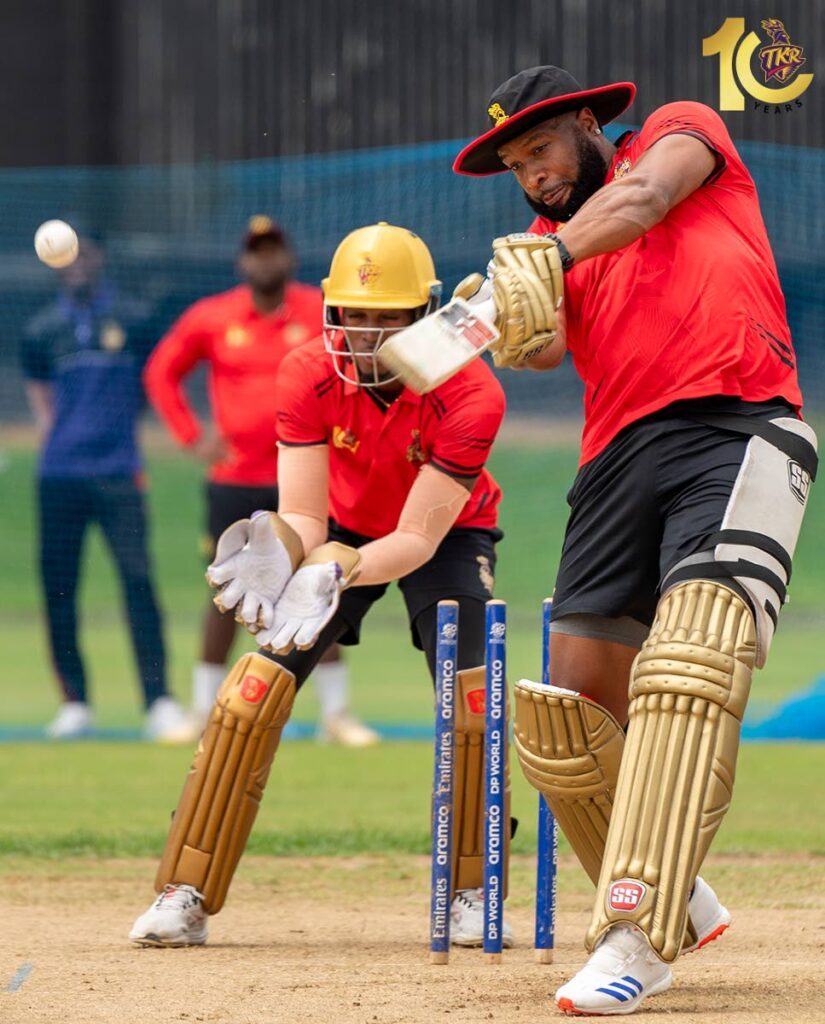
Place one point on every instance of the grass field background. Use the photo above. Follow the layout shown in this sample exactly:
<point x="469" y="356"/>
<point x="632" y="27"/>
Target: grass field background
<point x="113" y="799"/>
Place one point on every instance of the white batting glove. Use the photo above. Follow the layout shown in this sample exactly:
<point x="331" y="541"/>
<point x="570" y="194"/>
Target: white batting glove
<point x="254" y="560"/>
<point x="310" y="598"/>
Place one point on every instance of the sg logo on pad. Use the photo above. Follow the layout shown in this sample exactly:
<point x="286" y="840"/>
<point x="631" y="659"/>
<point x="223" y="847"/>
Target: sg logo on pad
<point x="625" y="895"/>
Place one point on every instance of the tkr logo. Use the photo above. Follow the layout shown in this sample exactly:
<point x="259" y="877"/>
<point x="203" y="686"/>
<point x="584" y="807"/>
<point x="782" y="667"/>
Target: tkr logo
<point x="779" y="61"/>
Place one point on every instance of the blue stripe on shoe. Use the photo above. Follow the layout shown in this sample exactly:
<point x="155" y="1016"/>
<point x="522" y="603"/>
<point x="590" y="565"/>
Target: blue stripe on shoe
<point x="633" y="981"/>
<point x="624" y="988"/>
<point x="616" y="995"/>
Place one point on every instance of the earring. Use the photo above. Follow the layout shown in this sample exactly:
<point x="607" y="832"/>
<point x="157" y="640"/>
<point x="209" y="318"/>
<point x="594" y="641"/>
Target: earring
<point x="597" y="131"/>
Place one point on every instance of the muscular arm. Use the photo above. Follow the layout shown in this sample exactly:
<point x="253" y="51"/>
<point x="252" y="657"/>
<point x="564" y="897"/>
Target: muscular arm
<point x="625" y="209"/>
<point x="432" y="507"/>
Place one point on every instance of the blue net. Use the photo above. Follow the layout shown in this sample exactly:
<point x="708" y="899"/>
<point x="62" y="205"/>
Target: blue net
<point x="171" y="234"/>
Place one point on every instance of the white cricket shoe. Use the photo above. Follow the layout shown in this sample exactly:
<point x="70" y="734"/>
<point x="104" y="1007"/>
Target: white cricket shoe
<point x="708" y="915"/>
<point x="345" y="730"/>
<point x="167" y="722"/>
<point x="467" y="920"/>
<point x="73" y="721"/>
<point x="176" y="918"/>
<point x="617" y="977"/>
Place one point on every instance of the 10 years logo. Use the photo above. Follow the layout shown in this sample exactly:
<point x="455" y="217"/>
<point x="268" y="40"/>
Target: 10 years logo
<point x="779" y="59"/>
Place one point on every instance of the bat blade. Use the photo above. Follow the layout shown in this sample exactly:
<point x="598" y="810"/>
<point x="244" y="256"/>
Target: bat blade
<point x="436" y="347"/>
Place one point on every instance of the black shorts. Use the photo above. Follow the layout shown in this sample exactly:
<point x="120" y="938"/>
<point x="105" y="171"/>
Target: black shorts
<point x="651" y="498"/>
<point x="226" y="503"/>
<point x="462" y="569"/>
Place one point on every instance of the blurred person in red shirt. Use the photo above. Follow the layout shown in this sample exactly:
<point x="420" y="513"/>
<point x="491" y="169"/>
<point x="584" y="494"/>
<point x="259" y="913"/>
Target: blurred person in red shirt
<point x="243" y="334"/>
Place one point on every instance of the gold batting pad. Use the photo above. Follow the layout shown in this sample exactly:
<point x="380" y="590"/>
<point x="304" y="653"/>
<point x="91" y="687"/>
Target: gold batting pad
<point x="570" y="749"/>
<point x="225" y="784"/>
<point x="688" y="690"/>
<point x="468" y="794"/>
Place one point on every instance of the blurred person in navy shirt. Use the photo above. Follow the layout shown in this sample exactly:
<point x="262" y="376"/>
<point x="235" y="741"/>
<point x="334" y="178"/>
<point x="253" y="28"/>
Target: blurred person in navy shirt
<point x="82" y="359"/>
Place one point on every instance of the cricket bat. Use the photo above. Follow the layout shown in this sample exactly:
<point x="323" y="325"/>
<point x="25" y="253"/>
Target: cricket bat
<point x="436" y="347"/>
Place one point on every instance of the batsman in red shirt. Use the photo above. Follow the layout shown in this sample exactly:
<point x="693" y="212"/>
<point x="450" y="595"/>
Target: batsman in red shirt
<point x="376" y="484"/>
<point x="243" y="335"/>
<point x="649" y="262"/>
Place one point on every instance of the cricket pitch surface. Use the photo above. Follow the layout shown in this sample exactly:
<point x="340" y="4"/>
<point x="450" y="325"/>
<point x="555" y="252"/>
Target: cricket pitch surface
<point x="344" y="941"/>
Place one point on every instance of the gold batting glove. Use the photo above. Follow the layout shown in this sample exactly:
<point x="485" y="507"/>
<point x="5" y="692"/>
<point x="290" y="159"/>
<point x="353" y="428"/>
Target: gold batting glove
<point x="528" y="286"/>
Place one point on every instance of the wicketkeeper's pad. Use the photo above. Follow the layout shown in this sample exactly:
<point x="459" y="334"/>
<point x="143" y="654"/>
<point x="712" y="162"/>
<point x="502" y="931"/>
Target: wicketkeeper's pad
<point x="468" y="794"/>
<point x="225" y="784"/>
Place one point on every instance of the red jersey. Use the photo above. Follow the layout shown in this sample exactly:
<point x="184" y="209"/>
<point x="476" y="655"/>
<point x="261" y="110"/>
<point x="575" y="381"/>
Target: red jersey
<point x="375" y="454"/>
<point x="244" y="349"/>
<point x="691" y="309"/>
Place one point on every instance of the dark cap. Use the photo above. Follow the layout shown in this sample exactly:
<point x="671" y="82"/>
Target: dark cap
<point x="527" y="99"/>
<point x="261" y="227"/>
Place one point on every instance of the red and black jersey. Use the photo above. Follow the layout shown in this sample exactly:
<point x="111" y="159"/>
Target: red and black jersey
<point x="375" y="453"/>
<point x="243" y="349"/>
<point x="693" y="308"/>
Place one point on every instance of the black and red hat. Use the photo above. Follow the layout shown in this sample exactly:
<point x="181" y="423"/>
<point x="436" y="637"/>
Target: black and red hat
<point x="533" y="96"/>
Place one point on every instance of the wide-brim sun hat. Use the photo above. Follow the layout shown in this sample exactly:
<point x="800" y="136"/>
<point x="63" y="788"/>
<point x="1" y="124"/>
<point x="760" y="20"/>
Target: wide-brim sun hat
<point x="530" y="97"/>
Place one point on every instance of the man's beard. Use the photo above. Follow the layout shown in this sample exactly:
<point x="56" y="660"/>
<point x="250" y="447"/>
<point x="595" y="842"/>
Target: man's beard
<point x="592" y="171"/>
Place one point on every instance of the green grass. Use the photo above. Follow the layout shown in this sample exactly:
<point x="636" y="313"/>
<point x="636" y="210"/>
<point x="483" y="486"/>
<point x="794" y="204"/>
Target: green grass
<point x="111" y="800"/>
<point x="114" y="799"/>
<point x="390" y="680"/>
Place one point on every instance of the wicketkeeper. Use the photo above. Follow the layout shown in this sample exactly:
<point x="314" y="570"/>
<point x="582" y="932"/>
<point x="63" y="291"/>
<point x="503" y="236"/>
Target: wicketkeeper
<point x="694" y="477"/>
<point x="404" y="482"/>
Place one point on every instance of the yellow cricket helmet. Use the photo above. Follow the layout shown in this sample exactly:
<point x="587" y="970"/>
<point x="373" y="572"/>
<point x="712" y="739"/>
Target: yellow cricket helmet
<point x="382" y="267"/>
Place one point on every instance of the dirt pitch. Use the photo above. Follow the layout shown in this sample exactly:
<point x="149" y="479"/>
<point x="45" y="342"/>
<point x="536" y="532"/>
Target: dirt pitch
<point x="343" y="941"/>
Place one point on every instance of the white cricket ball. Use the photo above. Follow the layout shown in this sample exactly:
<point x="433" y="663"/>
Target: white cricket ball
<point x="55" y="243"/>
